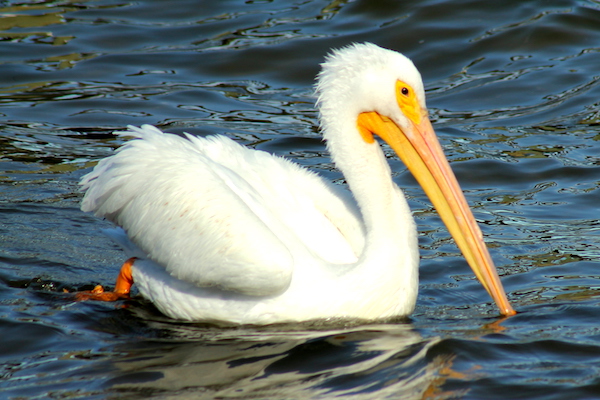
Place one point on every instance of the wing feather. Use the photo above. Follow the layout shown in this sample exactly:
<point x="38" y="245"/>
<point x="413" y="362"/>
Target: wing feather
<point x="215" y="213"/>
<point x="174" y="206"/>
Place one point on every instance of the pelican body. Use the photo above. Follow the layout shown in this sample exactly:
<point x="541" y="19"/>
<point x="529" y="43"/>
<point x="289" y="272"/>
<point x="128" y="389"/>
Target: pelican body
<point x="224" y="233"/>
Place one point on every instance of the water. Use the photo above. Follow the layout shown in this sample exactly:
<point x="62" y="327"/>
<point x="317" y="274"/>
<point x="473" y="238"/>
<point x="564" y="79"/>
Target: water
<point x="513" y="89"/>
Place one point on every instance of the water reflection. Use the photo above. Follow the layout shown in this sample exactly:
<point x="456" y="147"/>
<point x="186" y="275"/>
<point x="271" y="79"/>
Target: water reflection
<point x="373" y="361"/>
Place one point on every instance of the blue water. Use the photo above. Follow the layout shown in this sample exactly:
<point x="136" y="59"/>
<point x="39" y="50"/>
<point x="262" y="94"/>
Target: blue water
<point x="513" y="89"/>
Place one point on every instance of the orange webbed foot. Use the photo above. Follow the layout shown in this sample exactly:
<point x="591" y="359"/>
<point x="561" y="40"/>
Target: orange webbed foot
<point x="122" y="287"/>
<point x="98" y="294"/>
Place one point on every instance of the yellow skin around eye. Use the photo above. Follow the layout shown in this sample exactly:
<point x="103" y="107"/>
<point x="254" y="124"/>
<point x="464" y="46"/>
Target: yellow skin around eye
<point x="408" y="103"/>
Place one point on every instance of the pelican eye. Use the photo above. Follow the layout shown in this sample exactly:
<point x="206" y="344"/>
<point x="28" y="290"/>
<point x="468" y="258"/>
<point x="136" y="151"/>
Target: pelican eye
<point x="404" y="91"/>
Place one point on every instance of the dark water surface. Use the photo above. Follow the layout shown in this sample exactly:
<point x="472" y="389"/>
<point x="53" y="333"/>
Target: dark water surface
<point x="514" y="93"/>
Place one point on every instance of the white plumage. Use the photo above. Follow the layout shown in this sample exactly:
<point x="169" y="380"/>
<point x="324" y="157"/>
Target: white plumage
<point x="226" y="233"/>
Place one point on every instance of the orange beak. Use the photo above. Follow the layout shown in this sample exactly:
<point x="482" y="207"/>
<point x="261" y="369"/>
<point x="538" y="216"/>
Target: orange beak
<point x="419" y="148"/>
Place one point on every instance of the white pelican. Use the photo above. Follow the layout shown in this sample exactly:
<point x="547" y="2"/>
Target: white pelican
<point x="224" y="233"/>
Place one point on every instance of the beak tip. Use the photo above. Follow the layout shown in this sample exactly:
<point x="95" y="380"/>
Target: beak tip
<point x="508" y="311"/>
